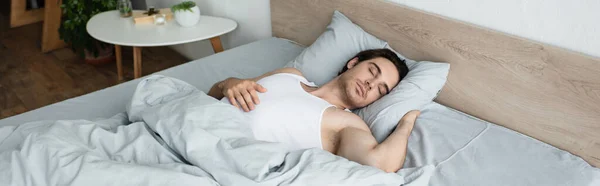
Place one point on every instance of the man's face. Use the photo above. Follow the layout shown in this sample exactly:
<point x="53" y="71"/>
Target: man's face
<point x="367" y="81"/>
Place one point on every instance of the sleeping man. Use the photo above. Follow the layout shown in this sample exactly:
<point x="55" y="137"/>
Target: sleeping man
<point x="283" y="106"/>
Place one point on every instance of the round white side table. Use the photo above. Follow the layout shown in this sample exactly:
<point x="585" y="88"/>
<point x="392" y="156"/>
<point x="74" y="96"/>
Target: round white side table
<point x="111" y="28"/>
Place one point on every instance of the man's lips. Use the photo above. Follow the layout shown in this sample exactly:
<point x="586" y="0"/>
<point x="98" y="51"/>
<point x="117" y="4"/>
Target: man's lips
<point x="361" y="89"/>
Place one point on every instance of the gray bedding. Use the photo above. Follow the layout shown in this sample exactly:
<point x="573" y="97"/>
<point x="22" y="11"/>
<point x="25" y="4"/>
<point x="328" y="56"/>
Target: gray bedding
<point x="459" y="149"/>
<point x="467" y="151"/>
<point x="202" y="142"/>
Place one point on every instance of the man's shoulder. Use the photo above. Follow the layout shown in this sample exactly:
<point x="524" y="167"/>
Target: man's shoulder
<point x="289" y="70"/>
<point x="279" y="71"/>
<point x="343" y="113"/>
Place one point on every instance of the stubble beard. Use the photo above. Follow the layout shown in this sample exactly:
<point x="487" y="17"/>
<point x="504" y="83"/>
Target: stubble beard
<point x="346" y="93"/>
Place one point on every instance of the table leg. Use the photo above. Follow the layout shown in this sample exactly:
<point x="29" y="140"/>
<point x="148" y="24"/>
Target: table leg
<point x="216" y="44"/>
<point x="119" y="62"/>
<point x="137" y="62"/>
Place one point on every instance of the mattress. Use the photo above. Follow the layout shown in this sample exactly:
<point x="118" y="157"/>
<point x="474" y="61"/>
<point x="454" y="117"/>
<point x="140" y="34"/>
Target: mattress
<point x="464" y="149"/>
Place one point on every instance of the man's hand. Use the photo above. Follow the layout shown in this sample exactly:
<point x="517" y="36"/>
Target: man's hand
<point x="242" y="92"/>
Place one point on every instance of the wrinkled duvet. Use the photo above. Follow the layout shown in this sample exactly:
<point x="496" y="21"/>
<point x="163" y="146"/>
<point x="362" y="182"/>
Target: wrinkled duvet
<point x="172" y="134"/>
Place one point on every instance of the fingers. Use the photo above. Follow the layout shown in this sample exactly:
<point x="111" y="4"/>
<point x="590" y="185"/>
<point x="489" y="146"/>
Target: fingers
<point x="243" y="94"/>
<point x="260" y="88"/>
<point x="231" y="98"/>
<point x="241" y="101"/>
<point x="254" y="96"/>
<point x="407" y="122"/>
<point x="411" y="116"/>
<point x="249" y="100"/>
<point x="233" y="101"/>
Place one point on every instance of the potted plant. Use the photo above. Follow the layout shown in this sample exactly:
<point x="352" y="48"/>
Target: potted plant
<point x="72" y="30"/>
<point x="186" y="13"/>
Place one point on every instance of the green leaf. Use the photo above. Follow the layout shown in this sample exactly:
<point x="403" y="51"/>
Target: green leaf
<point x="75" y="14"/>
<point x="183" y="6"/>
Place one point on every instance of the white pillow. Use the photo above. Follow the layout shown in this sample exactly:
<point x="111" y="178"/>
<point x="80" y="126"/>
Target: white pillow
<point x="420" y="86"/>
<point x="322" y="60"/>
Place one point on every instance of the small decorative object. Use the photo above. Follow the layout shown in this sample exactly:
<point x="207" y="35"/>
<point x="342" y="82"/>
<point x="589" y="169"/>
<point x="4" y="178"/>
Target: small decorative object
<point x="186" y="13"/>
<point x="124" y="7"/>
<point x="148" y="17"/>
<point x="151" y="11"/>
<point x="160" y="19"/>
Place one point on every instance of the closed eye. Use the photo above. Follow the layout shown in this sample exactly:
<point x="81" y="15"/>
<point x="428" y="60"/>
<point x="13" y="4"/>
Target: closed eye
<point x="374" y="68"/>
<point x="382" y="90"/>
<point x="372" y="71"/>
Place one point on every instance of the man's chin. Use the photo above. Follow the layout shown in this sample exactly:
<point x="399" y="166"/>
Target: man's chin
<point x="355" y="105"/>
<point x="352" y="97"/>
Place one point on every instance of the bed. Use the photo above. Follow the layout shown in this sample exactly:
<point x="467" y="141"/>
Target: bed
<point x="465" y="150"/>
<point x="540" y="90"/>
<point x="462" y="149"/>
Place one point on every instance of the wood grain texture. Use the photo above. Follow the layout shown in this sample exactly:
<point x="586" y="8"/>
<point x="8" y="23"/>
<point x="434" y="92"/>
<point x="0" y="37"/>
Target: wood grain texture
<point x="50" y="36"/>
<point x="19" y="15"/>
<point x="140" y="17"/>
<point x="540" y="90"/>
<point x="30" y="79"/>
<point x="216" y="44"/>
<point x="137" y="62"/>
<point x="119" y="59"/>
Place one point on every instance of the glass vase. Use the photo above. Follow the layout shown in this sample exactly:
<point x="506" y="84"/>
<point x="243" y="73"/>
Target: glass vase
<point x="124" y="8"/>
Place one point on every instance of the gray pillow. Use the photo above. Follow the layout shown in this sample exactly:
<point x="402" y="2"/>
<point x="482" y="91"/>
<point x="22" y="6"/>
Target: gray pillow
<point x="420" y="86"/>
<point x="322" y="60"/>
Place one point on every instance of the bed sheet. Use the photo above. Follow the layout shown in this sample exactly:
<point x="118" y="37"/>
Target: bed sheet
<point x="245" y="61"/>
<point x="468" y="151"/>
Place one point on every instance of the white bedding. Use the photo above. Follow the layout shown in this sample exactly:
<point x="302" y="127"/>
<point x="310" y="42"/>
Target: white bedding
<point x="462" y="149"/>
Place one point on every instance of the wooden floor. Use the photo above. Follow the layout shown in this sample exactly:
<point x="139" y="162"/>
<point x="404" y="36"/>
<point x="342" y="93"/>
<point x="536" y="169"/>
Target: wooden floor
<point x="30" y="79"/>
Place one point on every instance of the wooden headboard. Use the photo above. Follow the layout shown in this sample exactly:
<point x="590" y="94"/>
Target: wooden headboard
<point x="543" y="91"/>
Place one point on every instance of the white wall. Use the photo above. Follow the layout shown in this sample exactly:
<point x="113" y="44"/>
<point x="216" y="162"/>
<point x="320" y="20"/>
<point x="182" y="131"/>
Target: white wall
<point x="253" y="18"/>
<point x="573" y="24"/>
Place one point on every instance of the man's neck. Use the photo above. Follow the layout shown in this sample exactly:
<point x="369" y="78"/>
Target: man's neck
<point x="331" y="93"/>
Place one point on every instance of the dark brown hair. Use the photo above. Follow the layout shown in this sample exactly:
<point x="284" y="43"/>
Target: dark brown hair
<point x="384" y="53"/>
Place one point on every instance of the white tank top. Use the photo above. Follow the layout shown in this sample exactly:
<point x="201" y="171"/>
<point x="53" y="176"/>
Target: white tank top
<point x="287" y="113"/>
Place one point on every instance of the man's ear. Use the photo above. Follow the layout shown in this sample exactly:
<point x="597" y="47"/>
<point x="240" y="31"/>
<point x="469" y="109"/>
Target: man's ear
<point x="352" y="62"/>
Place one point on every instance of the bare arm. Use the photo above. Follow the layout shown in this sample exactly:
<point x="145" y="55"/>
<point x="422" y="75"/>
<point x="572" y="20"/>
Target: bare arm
<point x="244" y="91"/>
<point x="360" y="146"/>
